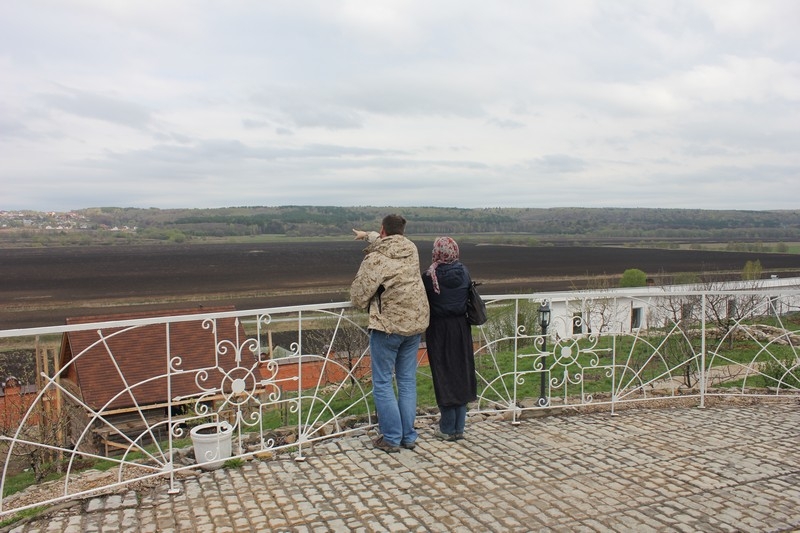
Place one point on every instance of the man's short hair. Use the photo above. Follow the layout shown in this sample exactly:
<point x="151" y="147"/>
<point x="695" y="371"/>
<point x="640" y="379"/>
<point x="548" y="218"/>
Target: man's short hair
<point x="394" y="225"/>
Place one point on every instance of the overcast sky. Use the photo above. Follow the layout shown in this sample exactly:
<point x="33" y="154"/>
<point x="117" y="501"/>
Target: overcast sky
<point x="586" y="103"/>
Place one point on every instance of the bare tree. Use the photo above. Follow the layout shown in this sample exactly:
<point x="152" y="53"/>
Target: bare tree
<point x="681" y="325"/>
<point x="40" y="427"/>
<point x="599" y="314"/>
<point x="726" y="310"/>
<point x="342" y="341"/>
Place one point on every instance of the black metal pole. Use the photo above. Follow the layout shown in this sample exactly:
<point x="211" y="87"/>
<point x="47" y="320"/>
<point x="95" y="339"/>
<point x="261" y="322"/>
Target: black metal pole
<point x="542" y="399"/>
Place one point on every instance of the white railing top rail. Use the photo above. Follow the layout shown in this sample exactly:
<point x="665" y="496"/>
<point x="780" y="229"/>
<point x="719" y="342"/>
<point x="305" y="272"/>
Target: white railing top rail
<point x="133" y="322"/>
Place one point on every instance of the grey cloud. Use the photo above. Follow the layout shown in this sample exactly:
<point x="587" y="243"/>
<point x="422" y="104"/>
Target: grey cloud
<point x="100" y="107"/>
<point x="708" y="149"/>
<point x="330" y="118"/>
<point x="227" y="150"/>
<point x="740" y="131"/>
<point x="337" y="107"/>
<point x="396" y="97"/>
<point x="298" y="108"/>
<point x="764" y="177"/>
<point x="171" y="137"/>
<point x="506" y="123"/>
<point x="557" y="163"/>
<point x="327" y="150"/>
<point x="251" y="124"/>
<point x="14" y="129"/>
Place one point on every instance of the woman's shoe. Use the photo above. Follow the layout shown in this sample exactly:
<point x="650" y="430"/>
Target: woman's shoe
<point x="443" y="436"/>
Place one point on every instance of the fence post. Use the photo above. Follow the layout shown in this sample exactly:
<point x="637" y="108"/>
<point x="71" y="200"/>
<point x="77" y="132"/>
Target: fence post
<point x="514" y="404"/>
<point x="613" y="374"/>
<point x="614" y="359"/>
<point x="703" y="351"/>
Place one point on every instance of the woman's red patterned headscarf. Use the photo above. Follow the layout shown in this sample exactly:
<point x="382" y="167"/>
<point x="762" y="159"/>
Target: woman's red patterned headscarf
<point x="445" y="251"/>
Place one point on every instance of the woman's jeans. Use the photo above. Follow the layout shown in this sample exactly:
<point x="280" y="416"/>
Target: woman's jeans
<point x="453" y="419"/>
<point x="395" y="355"/>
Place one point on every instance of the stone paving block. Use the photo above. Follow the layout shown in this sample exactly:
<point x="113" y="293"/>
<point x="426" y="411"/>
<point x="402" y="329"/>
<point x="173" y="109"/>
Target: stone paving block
<point x="95" y="504"/>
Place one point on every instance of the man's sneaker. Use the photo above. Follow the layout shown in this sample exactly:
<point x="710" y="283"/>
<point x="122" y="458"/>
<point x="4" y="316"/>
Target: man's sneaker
<point x="458" y="436"/>
<point x="381" y="444"/>
<point x="443" y="436"/>
<point x="408" y="445"/>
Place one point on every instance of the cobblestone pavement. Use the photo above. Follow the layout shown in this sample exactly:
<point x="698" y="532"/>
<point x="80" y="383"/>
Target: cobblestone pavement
<point x="682" y="469"/>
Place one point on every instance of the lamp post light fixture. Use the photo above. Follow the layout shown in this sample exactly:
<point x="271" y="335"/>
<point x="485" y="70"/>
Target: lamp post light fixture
<point x="544" y="321"/>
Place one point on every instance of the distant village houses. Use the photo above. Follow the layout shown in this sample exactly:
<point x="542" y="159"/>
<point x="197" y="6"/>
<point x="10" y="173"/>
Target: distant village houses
<point x="46" y="221"/>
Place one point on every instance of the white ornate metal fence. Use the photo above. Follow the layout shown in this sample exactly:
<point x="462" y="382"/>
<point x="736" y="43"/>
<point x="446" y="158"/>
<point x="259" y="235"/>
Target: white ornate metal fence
<point x="127" y="396"/>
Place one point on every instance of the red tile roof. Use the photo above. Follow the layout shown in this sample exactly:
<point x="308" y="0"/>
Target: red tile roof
<point x="104" y="363"/>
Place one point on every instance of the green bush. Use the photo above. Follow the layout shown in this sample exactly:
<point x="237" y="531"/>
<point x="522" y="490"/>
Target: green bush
<point x="783" y="372"/>
<point x="633" y="277"/>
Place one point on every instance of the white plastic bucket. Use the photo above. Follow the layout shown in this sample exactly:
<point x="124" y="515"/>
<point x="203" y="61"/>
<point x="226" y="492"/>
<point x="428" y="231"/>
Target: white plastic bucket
<point x="212" y="444"/>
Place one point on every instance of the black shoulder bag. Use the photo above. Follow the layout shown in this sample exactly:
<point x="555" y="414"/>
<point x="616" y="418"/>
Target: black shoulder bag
<point x="476" y="309"/>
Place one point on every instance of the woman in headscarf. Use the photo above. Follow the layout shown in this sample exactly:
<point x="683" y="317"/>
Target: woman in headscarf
<point x="449" y="338"/>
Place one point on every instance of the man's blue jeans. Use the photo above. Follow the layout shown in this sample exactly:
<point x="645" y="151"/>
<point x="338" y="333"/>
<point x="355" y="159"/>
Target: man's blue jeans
<point x="395" y="355"/>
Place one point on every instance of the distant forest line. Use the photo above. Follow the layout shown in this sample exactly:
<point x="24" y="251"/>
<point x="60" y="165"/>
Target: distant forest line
<point x="531" y="226"/>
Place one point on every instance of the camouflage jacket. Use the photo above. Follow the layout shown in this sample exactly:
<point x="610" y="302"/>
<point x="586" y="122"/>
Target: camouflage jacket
<point x="389" y="283"/>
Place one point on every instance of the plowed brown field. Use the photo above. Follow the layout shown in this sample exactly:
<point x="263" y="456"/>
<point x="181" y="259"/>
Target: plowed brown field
<point x="41" y="287"/>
